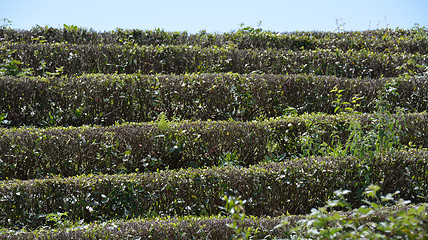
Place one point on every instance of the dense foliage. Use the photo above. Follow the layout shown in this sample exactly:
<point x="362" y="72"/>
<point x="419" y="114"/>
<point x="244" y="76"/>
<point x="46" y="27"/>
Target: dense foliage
<point x="137" y="134"/>
<point x="293" y="186"/>
<point x="35" y="153"/>
<point x="108" y="99"/>
<point x="107" y="58"/>
<point x="381" y="40"/>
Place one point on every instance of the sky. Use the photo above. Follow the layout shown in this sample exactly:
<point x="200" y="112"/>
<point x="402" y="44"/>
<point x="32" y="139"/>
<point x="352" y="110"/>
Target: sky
<point x="216" y="15"/>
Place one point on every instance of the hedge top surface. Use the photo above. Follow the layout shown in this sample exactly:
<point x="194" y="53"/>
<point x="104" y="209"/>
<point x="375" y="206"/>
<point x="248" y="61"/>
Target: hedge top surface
<point x="382" y="40"/>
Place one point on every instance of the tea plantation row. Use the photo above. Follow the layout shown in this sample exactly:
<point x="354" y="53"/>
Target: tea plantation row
<point x="63" y="58"/>
<point x="28" y="153"/>
<point x="382" y="40"/>
<point x="186" y="227"/>
<point x="293" y="186"/>
<point x="108" y="99"/>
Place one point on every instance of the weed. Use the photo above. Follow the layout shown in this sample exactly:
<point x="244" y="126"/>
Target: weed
<point x="162" y="121"/>
<point x="235" y="209"/>
<point x="3" y="116"/>
<point x="249" y="29"/>
<point x="59" y="222"/>
<point x="340" y="105"/>
<point x="229" y="158"/>
<point x="6" y="23"/>
<point x="45" y="73"/>
<point x="10" y="67"/>
<point x="340" y="25"/>
<point x="382" y="138"/>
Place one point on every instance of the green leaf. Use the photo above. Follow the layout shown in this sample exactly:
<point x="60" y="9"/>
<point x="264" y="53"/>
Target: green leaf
<point x="364" y="210"/>
<point x="374" y="206"/>
<point x="389" y="196"/>
<point x="336" y="109"/>
<point x="371" y="190"/>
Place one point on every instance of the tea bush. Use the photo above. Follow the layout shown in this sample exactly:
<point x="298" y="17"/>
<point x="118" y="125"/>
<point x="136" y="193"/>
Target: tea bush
<point x="28" y="153"/>
<point x="107" y="99"/>
<point x="102" y="58"/>
<point x="271" y="189"/>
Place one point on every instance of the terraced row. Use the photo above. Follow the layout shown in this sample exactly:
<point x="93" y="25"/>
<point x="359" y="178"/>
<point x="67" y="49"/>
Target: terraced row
<point x="78" y="59"/>
<point x="27" y="153"/>
<point x="108" y="99"/>
<point x="215" y="228"/>
<point x="271" y="189"/>
<point x="382" y="40"/>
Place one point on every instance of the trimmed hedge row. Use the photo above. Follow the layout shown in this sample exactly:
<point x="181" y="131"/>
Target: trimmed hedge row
<point x="79" y="59"/>
<point x="27" y="153"/>
<point x="271" y="189"/>
<point x="182" y="228"/>
<point x="384" y="40"/>
<point x="106" y="99"/>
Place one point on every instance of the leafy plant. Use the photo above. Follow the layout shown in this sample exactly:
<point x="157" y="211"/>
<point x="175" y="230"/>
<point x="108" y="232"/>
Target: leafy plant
<point x="60" y="220"/>
<point x="162" y="121"/>
<point x="325" y="223"/>
<point x="235" y="209"/>
<point x="249" y="29"/>
<point x="6" y="23"/>
<point x="340" y="105"/>
<point x="229" y="158"/>
<point x="382" y="138"/>
<point x="70" y="27"/>
<point x="2" y="119"/>
<point x="10" y="67"/>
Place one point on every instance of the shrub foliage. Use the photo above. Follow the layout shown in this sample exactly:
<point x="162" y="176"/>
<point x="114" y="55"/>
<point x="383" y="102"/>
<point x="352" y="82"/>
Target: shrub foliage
<point x="293" y="186"/>
<point x="169" y="126"/>
<point x="108" y="58"/>
<point x="35" y="153"/>
<point x="107" y="99"/>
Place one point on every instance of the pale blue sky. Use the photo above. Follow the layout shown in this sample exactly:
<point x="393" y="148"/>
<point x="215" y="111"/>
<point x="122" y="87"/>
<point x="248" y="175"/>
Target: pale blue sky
<point x="216" y="16"/>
